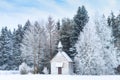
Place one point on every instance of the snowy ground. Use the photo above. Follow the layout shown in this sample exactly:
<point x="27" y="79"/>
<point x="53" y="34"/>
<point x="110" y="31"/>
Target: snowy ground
<point x="56" y="77"/>
<point x="14" y="75"/>
<point x="8" y="72"/>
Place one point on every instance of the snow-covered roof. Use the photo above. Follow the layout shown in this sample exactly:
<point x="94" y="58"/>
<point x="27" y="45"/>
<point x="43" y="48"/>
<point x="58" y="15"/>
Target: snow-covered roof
<point x="63" y="53"/>
<point x="66" y="56"/>
<point x="60" y="44"/>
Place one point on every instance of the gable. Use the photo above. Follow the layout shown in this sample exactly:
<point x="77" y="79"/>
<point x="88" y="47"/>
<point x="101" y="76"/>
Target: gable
<point x="61" y="56"/>
<point x="67" y="57"/>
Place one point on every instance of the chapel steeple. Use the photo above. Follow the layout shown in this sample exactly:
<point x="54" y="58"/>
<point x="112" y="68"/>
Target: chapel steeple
<point x="60" y="46"/>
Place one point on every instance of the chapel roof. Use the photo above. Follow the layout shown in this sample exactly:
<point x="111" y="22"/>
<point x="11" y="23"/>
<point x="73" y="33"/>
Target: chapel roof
<point x="63" y="53"/>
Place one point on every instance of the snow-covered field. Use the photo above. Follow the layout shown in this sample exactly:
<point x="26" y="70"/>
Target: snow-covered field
<point x="14" y="75"/>
<point x="56" y="77"/>
<point x="8" y="72"/>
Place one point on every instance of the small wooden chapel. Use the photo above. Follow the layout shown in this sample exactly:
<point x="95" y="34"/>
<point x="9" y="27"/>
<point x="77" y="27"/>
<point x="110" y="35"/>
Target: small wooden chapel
<point x="61" y="63"/>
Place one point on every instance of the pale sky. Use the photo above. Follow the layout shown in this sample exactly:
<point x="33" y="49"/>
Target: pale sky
<point x="14" y="12"/>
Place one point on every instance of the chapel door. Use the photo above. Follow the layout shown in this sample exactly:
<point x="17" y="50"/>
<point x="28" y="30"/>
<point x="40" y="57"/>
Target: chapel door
<point x="59" y="70"/>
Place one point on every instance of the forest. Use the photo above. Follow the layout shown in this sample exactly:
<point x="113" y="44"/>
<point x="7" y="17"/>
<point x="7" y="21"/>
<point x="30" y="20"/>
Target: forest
<point x="92" y="43"/>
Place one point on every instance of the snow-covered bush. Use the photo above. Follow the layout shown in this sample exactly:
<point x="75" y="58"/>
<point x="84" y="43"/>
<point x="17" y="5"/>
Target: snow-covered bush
<point x="45" y="70"/>
<point x="23" y="68"/>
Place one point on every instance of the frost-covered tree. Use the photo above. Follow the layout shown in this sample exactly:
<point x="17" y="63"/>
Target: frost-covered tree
<point x="96" y="52"/>
<point x="89" y="60"/>
<point x="23" y="68"/>
<point x="107" y="41"/>
<point x="80" y="19"/>
<point x="17" y="40"/>
<point x="27" y="25"/>
<point x="52" y="39"/>
<point x="6" y="56"/>
<point x="11" y="61"/>
<point x="33" y="46"/>
<point x="52" y="36"/>
<point x="58" y="25"/>
<point x="114" y="22"/>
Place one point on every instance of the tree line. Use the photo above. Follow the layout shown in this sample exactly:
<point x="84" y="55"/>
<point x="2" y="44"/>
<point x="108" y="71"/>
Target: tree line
<point x="36" y="44"/>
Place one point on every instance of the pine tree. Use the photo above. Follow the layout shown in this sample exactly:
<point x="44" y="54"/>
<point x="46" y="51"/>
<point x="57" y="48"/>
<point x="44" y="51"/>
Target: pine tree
<point x="114" y="22"/>
<point x="17" y="40"/>
<point x="58" y="25"/>
<point x="5" y="49"/>
<point x="66" y="33"/>
<point x="80" y="19"/>
<point x="11" y="57"/>
<point x="27" y="25"/>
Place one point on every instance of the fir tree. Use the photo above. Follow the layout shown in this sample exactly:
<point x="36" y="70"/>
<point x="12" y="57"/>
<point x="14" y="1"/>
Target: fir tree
<point x="17" y="40"/>
<point x="27" y="25"/>
<point x="5" y="49"/>
<point x="80" y="19"/>
<point x="58" y="25"/>
<point x="66" y="33"/>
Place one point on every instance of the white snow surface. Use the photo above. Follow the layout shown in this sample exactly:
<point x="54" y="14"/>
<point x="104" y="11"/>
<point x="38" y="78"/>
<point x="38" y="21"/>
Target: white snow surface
<point x="14" y="75"/>
<point x="5" y="72"/>
<point x="56" y="77"/>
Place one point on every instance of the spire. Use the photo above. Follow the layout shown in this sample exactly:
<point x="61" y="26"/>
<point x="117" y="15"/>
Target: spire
<point x="60" y="45"/>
